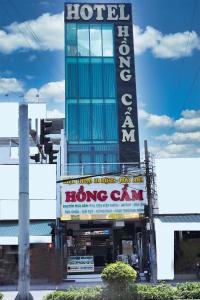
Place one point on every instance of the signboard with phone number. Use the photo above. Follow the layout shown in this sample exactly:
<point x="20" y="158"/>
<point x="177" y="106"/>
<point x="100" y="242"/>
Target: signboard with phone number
<point x="79" y="264"/>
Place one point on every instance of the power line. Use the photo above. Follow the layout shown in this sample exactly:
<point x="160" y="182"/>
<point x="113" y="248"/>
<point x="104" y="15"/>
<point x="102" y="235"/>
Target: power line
<point x="28" y="34"/>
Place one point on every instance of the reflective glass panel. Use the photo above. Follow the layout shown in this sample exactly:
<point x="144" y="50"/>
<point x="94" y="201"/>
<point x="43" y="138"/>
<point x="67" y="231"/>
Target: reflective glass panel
<point x="71" y="40"/>
<point x="72" y="120"/>
<point x="109" y="82"/>
<point x="74" y="167"/>
<point x="111" y="120"/>
<point x="85" y="120"/>
<point x="71" y="78"/>
<point x="96" y="78"/>
<point x="86" y="160"/>
<point x="99" y="159"/>
<point x="107" y="35"/>
<point x="97" y="120"/>
<point x="83" y="39"/>
<point x="95" y="40"/>
<point x="84" y="80"/>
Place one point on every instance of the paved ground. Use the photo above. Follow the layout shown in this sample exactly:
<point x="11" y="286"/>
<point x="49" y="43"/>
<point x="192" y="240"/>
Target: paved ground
<point x="39" y="291"/>
<point x="37" y="295"/>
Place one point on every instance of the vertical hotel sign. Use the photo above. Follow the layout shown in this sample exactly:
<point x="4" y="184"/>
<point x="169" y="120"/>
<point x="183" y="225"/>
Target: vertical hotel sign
<point x="121" y="16"/>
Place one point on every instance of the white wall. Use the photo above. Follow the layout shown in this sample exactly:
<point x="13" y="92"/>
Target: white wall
<point x="13" y="240"/>
<point x="178" y="182"/>
<point x="42" y="191"/>
<point x="9" y="117"/>
<point x="165" y="245"/>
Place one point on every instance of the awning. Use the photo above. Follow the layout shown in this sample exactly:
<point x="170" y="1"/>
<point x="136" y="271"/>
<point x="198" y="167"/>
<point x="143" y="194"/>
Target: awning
<point x="40" y="232"/>
<point x="179" y="218"/>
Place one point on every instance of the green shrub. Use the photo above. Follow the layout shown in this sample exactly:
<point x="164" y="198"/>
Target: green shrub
<point x="157" y="292"/>
<point x="1" y="296"/>
<point x="188" y="290"/>
<point x="119" y="277"/>
<point x="76" y="294"/>
<point x="118" y="273"/>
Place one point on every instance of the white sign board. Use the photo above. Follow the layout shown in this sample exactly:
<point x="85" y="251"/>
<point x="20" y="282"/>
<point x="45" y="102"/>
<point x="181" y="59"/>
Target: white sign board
<point x="110" y="197"/>
<point x="79" y="264"/>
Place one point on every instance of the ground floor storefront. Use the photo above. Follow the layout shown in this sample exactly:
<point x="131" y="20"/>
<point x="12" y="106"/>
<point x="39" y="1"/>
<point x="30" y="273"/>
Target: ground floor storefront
<point x="87" y="246"/>
<point x="102" y="220"/>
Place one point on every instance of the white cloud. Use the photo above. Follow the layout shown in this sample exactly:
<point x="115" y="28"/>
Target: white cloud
<point x="177" y="45"/>
<point x="185" y="139"/>
<point x="180" y="137"/>
<point x="32" y="95"/>
<point x="191" y="124"/>
<point x="47" y="33"/>
<point x="145" y="40"/>
<point x="10" y="85"/>
<point x="44" y="33"/>
<point x="180" y="44"/>
<point x="51" y="91"/>
<point x="155" y="121"/>
<point x="190" y="113"/>
<point x="55" y="113"/>
<point x="175" y="150"/>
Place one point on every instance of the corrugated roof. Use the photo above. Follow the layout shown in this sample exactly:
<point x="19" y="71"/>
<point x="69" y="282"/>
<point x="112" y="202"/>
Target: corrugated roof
<point x="180" y="219"/>
<point x="36" y="229"/>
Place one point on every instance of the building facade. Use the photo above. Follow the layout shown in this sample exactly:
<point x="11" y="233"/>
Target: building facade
<point x="101" y="105"/>
<point x="103" y="190"/>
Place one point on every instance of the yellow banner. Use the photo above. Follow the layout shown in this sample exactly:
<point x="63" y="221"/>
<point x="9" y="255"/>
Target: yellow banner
<point x="100" y="217"/>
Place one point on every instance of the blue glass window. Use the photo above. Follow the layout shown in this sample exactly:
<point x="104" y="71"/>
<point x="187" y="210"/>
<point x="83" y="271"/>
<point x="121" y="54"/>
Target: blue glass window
<point x="111" y="120"/>
<point x="71" y="40"/>
<point x="96" y="78"/>
<point x="97" y="120"/>
<point x="86" y="159"/>
<point x="91" y="110"/>
<point x="84" y="80"/>
<point x="95" y="40"/>
<point x="89" y="40"/>
<point x="99" y="159"/>
<point x="85" y="120"/>
<point x="74" y="160"/>
<point x="83" y="39"/>
<point x="72" y="118"/>
<point x="107" y="36"/>
<point x="109" y="84"/>
<point x="71" y="78"/>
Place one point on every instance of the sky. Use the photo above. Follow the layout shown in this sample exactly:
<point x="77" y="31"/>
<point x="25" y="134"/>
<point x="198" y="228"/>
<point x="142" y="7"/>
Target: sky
<point x="167" y="63"/>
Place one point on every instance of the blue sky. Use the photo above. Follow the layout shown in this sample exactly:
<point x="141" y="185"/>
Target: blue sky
<point x="167" y="56"/>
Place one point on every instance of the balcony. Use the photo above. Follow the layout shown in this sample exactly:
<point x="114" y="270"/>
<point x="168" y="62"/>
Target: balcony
<point x="81" y="169"/>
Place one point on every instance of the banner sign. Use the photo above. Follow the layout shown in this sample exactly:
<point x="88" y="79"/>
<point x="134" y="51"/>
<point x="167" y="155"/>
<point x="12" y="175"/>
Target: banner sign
<point x="126" y="90"/>
<point x="103" y="198"/>
<point x="120" y="15"/>
<point x="78" y="264"/>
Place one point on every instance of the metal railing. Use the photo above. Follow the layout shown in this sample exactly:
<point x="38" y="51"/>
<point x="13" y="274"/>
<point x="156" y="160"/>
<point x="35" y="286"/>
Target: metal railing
<point x="77" y="169"/>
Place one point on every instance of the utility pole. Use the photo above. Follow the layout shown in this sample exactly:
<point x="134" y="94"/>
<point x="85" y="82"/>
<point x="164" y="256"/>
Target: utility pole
<point x="152" y="239"/>
<point x="23" y="207"/>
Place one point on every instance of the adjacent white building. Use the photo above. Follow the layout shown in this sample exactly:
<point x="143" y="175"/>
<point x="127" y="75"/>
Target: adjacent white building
<point x="42" y="178"/>
<point x="178" y="208"/>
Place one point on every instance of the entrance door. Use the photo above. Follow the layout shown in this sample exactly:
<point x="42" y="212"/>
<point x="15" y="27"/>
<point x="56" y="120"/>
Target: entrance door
<point x="101" y="249"/>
